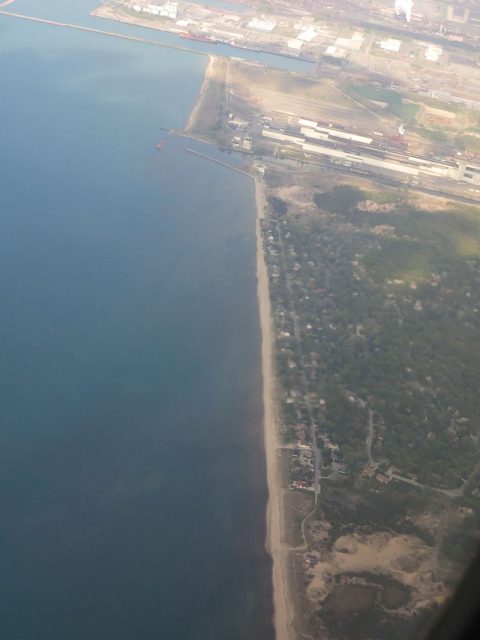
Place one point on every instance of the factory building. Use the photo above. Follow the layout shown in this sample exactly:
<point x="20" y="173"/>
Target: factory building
<point x="458" y="14"/>
<point x="282" y="137"/>
<point x="311" y="133"/>
<point x="166" y="10"/>
<point x="334" y="133"/>
<point x="469" y="173"/>
<point x="311" y="138"/>
<point x="350" y="158"/>
<point x="262" y="25"/>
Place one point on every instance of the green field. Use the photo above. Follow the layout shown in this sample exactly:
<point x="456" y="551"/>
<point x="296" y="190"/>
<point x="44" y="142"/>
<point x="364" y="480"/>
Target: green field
<point x="396" y="105"/>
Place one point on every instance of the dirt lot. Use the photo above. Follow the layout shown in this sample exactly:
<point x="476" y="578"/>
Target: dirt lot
<point x="282" y="93"/>
<point x="405" y="558"/>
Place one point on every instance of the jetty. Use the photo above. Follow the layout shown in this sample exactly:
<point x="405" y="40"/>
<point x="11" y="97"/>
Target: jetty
<point x="103" y="32"/>
<point x="220" y="162"/>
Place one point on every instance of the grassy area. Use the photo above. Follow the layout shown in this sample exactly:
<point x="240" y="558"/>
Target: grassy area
<point x="468" y="142"/>
<point x="382" y="197"/>
<point x="394" y="322"/>
<point x="395" y="103"/>
<point x="386" y="301"/>
<point x="401" y="260"/>
<point x="425" y="241"/>
<point x="434" y="135"/>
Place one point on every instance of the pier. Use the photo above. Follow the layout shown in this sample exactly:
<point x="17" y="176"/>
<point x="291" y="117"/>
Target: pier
<point x="103" y="32"/>
<point x="223" y="164"/>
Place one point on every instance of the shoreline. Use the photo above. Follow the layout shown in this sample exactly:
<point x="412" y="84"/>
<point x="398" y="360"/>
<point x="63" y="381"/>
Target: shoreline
<point x="283" y="615"/>
<point x="201" y="95"/>
<point x="111" y="34"/>
<point x="282" y="609"/>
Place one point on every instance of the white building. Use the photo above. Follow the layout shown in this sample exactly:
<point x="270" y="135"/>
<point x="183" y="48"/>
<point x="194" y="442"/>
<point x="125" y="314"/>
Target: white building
<point x="295" y="44"/>
<point x="311" y="133"/>
<point x="282" y="137"/>
<point x="433" y="52"/>
<point x="335" y="52"/>
<point x="166" y="10"/>
<point x="262" y="25"/>
<point x="391" y="45"/>
<point x="308" y="35"/>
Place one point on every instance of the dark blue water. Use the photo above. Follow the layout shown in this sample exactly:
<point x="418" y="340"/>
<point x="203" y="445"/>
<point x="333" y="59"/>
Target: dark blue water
<point x="132" y="482"/>
<point x="78" y="12"/>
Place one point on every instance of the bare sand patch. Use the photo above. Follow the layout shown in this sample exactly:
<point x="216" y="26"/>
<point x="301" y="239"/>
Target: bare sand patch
<point x="293" y="96"/>
<point x="295" y="195"/>
<point x="283" y="608"/>
<point x="440" y="113"/>
<point x="405" y="558"/>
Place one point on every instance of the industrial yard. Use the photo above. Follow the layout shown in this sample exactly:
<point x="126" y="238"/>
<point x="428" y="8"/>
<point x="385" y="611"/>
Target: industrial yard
<point x="406" y="77"/>
<point x="435" y="55"/>
<point x="309" y="139"/>
<point x="326" y="125"/>
<point x="366" y="167"/>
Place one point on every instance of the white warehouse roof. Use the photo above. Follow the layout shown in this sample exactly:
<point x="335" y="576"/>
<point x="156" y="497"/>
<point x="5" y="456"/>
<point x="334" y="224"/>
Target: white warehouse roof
<point x="262" y="25"/>
<point x="295" y="44"/>
<point x="308" y="35"/>
<point x="391" y="45"/>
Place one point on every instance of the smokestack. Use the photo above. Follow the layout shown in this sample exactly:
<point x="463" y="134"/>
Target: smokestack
<point x="404" y="6"/>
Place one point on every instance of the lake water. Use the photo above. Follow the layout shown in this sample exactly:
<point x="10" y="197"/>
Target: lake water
<point x="78" y="12"/>
<point x="132" y="479"/>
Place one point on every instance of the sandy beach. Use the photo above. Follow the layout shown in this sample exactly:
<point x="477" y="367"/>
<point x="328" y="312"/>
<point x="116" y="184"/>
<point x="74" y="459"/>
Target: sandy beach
<point x="279" y="551"/>
<point x="283" y="614"/>
<point x="201" y="95"/>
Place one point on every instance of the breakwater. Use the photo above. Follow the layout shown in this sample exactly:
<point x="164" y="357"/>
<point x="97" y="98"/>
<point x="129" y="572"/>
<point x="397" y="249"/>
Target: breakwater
<point x="103" y="32"/>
